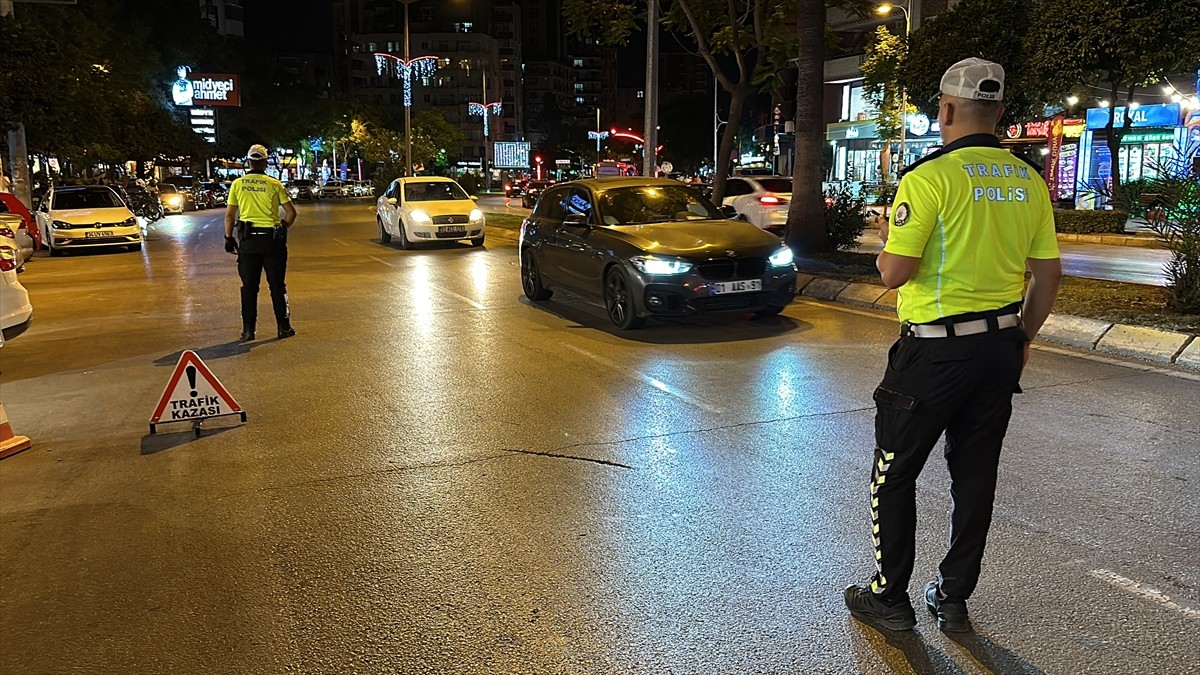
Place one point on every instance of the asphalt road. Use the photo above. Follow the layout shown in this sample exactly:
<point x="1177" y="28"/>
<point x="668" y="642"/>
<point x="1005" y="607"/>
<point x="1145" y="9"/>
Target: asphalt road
<point x="439" y="476"/>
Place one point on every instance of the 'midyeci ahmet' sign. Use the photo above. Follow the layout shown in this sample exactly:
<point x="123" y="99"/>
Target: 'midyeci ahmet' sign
<point x="205" y="89"/>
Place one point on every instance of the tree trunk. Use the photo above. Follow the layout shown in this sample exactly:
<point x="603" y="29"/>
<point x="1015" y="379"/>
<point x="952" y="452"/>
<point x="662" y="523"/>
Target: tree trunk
<point x="723" y="162"/>
<point x="1113" y="141"/>
<point x="806" y="217"/>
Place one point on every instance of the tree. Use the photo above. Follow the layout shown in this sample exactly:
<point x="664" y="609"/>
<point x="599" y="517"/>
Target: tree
<point x="995" y="30"/>
<point x="882" y="89"/>
<point x="1120" y="46"/>
<point x="806" y="215"/>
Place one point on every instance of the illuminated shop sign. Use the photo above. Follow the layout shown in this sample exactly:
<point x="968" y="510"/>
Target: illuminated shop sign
<point x="204" y="89"/>
<point x="1041" y="129"/>
<point x="1161" y="115"/>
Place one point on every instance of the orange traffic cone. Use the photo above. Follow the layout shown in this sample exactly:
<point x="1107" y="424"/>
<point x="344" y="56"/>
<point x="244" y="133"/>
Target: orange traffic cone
<point x="10" y="443"/>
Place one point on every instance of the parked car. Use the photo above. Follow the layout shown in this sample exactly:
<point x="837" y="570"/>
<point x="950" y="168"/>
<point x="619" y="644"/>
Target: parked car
<point x="532" y="190"/>
<point x="428" y="208"/>
<point x="27" y="228"/>
<point x="173" y="201"/>
<point x="13" y="227"/>
<point x="761" y="200"/>
<point x="302" y="188"/>
<point x="16" y="312"/>
<point x="87" y="216"/>
<point x="219" y="196"/>
<point x="331" y="188"/>
<point x="651" y="247"/>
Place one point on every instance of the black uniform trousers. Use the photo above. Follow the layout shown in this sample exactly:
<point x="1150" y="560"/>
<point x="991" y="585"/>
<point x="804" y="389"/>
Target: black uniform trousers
<point x="962" y="386"/>
<point x="258" y="251"/>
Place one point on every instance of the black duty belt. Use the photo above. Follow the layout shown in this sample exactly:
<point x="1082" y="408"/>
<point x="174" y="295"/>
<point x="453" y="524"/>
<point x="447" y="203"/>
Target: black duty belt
<point x="961" y="328"/>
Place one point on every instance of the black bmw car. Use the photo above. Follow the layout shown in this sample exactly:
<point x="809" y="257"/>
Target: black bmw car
<point x="651" y="247"/>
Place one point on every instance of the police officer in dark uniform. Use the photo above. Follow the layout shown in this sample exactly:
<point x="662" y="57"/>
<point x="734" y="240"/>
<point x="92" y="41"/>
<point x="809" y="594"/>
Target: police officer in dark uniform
<point x="261" y="242"/>
<point x="969" y="219"/>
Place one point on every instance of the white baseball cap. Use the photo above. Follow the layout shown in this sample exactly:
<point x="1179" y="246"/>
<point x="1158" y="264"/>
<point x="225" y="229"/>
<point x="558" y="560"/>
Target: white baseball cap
<point x="256" y="151"/>
<point x="975" y="79"/>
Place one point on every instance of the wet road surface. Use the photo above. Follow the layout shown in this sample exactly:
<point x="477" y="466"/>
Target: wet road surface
<point x="439" y="476"/>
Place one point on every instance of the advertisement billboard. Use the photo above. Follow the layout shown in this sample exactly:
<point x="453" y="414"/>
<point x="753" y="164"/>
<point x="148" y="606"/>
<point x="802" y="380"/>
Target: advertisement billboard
<point x="204" y="89"/>
<point x="511" y="155"/>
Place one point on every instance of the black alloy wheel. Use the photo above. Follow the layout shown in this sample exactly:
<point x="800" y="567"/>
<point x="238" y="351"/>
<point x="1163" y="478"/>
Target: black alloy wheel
<point x="531" y="277"/>
<point x="618" y="300"/>
<point x="384" y="235"/>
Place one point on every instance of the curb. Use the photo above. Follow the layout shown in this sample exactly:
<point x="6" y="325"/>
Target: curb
<point x="1135" y="240"/>
<point x="1139" y="342"/>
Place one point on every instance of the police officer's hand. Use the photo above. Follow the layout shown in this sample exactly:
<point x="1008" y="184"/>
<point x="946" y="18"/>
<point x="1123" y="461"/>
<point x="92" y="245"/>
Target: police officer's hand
<point x="230" y="245"/>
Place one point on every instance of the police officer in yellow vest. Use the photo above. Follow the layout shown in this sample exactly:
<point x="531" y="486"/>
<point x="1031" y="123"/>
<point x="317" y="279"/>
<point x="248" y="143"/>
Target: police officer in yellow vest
<point x="261" y="243"/>
<point x="969" y="219"/>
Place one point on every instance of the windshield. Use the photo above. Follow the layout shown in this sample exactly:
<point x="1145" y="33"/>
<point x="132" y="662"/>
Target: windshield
<point x="166" y="188"/>
<point x="433" y="191"/>
<point x="777" y="185"/>
<point x="332" y="183"/>
<point x="89" y="198"/>
<point x="654" y="204"/>
<point x="302" y="183"/>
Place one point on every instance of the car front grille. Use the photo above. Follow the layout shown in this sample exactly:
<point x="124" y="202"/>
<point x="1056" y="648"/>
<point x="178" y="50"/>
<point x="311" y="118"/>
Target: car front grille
<point x="732" y="301"/>
<point x="452" y="219"/>
<point x="732" y="268"/>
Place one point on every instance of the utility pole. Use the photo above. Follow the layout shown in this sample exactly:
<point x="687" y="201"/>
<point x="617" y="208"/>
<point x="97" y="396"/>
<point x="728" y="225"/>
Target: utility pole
<point x="649" y="148"/>
<point x="483" y="161"/>
<point x="407" y="109"/>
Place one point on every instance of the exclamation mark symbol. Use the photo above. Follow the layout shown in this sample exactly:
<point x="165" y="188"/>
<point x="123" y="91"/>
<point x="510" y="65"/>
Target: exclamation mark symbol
<point x="191" y="375"/>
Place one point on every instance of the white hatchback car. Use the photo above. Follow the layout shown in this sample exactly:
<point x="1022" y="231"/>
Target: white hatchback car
<point x="87" y="216"/>
<point x="761" y="200"/>
<point x="16" y="313"/>
<point x="428" y="208"/>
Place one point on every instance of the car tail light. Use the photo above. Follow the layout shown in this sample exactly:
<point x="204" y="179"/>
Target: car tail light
<point x="771" y="200"/>
<point x="8" y="259"/>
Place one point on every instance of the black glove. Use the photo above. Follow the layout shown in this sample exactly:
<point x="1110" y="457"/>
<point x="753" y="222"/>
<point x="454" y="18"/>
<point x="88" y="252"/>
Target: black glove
<point x="230" y="245"/>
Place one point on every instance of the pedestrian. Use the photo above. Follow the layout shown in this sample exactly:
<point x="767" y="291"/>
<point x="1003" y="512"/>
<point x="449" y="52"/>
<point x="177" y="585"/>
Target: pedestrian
<point x="253" y="208"/>
<point x="968" y="221"/>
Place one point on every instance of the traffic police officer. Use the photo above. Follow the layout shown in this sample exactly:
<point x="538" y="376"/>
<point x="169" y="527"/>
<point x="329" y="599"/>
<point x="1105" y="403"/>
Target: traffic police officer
<point x="261" y="244"/>
<point x="968" y="221"/>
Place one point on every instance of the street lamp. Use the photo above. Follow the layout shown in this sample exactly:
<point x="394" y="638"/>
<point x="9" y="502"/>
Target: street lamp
<point x="598" y="136"/>
<point x="884" y="9"/>
<point x="406" y="68"/>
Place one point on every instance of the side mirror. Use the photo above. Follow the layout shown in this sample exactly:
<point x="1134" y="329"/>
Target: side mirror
<point x="576" y="220"/>
<point x="729" y="212"/>
<point x="474" y="198"/>
<point x="391" y="201"/>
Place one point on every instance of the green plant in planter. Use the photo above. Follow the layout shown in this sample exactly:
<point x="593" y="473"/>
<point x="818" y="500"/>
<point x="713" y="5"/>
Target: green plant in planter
<point x="845" y="219"/>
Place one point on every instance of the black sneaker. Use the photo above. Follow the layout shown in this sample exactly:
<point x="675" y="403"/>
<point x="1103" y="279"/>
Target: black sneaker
<point x="286" y="332"/>
<point x="247" y="336"/>
<point x="951" y="615"/>
<point x="894" y="614"/>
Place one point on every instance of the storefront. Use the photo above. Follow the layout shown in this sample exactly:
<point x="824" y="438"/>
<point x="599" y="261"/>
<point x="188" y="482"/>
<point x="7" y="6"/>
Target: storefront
<point x="856" y="150"/>
<point x="1155" y="137"/>
<point x="1032" y="140"/>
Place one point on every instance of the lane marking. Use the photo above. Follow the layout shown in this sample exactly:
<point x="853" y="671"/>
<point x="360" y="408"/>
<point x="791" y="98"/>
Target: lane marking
<point x="341" y="242"/>
<point x="381" y="260"/>
<point x="646" y="379"/>
<point x="206" y="226"/>
<point x="1037" y="346"/>
<point x="1144" y="592"/>
<point x="464" y="298"/>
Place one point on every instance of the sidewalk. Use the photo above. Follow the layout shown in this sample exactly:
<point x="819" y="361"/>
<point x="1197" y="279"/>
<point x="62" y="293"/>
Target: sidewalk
<point x="1138" y="342"/>
<point x="1131" y="264"/>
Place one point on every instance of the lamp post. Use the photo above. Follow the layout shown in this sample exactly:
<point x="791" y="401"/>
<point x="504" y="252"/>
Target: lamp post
<point x="482" y="109"/>
<point x="598" y="136"/>
<point x="406" y="69"/>
<point x="887" y="8"/>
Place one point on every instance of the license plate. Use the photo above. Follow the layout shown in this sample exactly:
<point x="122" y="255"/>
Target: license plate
<point x="745" y="286"/>
<point x="452" y="229"/>
<point x="95" y="234"/>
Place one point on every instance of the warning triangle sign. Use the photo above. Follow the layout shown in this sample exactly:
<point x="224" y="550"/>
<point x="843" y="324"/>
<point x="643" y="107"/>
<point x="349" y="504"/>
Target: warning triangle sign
<point x="193" y="393"/>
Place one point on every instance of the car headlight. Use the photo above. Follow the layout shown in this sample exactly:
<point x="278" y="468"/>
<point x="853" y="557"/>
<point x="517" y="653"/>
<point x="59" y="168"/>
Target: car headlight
<point x="648" y="264"/>
<point x="60" y="225"/>
<point x="131" y="221"/>
<point x="782" y="258"/>
<point x="476" y="214"/>
<point x="419" y="216"/>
